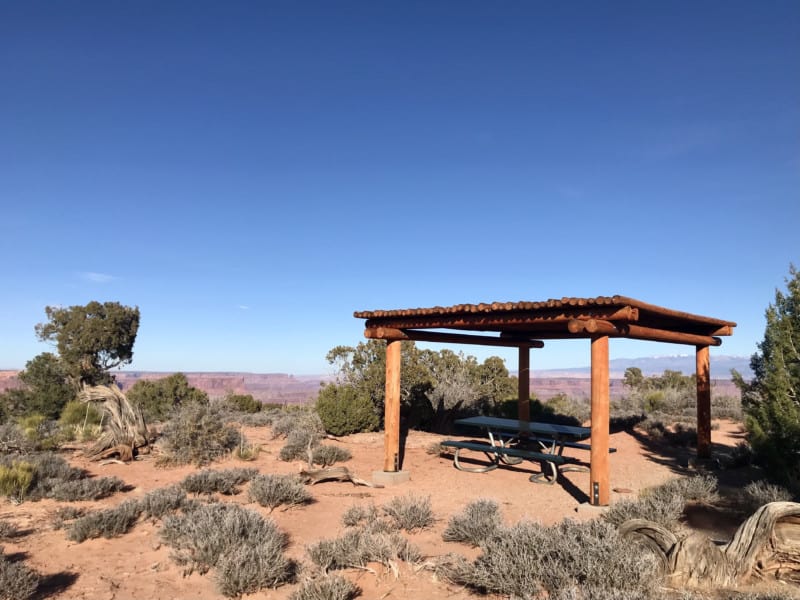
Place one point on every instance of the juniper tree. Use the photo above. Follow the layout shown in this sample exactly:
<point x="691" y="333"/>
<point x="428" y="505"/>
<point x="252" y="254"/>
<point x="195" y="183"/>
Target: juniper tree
<point x="771" y="398"/>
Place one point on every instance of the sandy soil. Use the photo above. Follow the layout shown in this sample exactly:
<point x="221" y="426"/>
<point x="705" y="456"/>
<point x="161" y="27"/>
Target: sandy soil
<point x="137" y="566"/>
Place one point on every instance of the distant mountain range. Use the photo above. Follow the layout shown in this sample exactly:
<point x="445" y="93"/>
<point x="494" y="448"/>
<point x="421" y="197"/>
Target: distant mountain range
<point x="283" y="388"/>
<point x="721" y="366"/>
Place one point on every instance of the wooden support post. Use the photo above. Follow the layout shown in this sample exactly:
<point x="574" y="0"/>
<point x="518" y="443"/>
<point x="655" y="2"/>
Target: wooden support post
<point x="524" y="384"/>
<point x="703" y="403"/>
<point x="599" y="467"/>
<point x="391" y="422"/>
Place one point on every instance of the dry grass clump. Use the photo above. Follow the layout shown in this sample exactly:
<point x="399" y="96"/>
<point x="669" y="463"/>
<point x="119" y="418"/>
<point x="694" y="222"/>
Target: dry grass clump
<point x="86" y="489"/>
<point x="664" y="504"/>
<point x="108" y="523"/>
<point x="410" y="512"/>
<point x="198" y="433"/>
<point x="530" y="560"/>
<point x="209" y="481"/>
<point x="272" y="491"/>
<point x="246" y="550"/>
<point x="15" y="480"/>
<point x="17" y="581"/>
<point x="478" y="522"/>
<point x="758" y="493"/>
<point x="326" y="455"/>
<point x="326" y="587"/>
<point x="361" y="545"/>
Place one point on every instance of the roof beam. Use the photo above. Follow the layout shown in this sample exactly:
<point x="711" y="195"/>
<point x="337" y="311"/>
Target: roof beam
<point x="638" y="332"/>
<point x="389" y="333"/>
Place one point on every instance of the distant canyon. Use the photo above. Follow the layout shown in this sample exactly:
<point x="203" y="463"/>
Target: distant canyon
<point x="283" y="388"/>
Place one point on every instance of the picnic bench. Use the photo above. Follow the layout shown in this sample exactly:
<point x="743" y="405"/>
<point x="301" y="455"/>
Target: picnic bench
<point x="510" y="443"/>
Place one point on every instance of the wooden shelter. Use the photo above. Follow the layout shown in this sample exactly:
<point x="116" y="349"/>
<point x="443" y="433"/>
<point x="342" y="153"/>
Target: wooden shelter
<point x="524" y="325"/>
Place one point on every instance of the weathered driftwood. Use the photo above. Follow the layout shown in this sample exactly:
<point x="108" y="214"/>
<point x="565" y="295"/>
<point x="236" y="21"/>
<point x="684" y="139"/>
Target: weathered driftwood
<point x="333" y="474"/>
<point x="124" y="427"/>
<point x="766" y="545"/>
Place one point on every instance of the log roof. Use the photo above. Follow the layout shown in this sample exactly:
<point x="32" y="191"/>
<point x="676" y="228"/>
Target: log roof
<point x="519" y="323"/>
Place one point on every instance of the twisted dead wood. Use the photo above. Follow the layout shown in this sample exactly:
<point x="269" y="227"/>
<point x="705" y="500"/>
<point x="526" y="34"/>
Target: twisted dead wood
<point x="765" y="545"/>
<point x="333" y="474"/>
<point x="124" y="427"/>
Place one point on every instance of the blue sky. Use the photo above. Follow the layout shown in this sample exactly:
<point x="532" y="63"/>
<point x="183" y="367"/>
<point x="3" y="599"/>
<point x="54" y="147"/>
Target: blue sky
<point x="251" y="173"/>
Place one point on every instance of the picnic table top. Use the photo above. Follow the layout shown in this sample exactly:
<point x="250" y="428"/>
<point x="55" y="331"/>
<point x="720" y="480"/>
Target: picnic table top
<point x="547" y="429"/>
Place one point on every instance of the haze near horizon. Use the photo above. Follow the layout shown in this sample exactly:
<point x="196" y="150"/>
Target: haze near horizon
<point x="251" y="174"/>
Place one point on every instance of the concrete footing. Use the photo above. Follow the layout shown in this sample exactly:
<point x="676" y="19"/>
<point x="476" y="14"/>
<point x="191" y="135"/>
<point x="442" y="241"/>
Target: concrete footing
<point x="390" y="477"/>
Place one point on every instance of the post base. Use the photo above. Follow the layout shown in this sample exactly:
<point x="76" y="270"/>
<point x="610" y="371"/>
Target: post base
<point x="390" y="477"/>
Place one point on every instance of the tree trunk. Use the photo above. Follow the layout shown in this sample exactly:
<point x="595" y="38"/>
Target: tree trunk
<point x="766" y="545"/>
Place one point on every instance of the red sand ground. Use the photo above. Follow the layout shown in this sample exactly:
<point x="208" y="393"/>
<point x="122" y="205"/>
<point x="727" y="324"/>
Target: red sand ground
<point x="137" y="566"/>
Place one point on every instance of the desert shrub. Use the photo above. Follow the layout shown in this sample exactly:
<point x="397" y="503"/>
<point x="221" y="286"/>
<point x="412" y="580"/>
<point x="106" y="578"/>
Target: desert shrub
<point x="435" y="449"/>
<point x="529" y="560"/>
<point x="564" y="409"/>
<point x="263" y="418"/>
<point x="244" y="403"/>
<point x="80" y="420"/>
<point x="664" y="504"/>
<point x="297" y="419"/>
<point x="600" y="593"/>
<point x="326" y="587"/>
<point x="326" y="455"/>
<point x="76" y="413"/>
<point x="410" y="512"/>
<point x="158" y="398"/>
<point x="726" y="407"/>
<point x="42" y="433"/>
<point x="361" y="545"/>
<point x="209" y="481"/>
<point x="86" y="489"/>
<point x="679" y="435"/>
<point x="13" y="439"/>
<point x="49" y="470"/>
<point x="246" y="569"/>
<point x="67" y="513"/>
<point x="247" y="452"/>
<point x="163" y="501"/>
<point x="17" y="581"/>
<point x="758" y="493"/>
<point x="479" y="521"/>
<point x="559" y="409"/>
<point x="360" y="514"/>
<point x="665" y="510"/>
<point x="15" y="480"/>
<point x="7" y="529"/>
<point x="303" y="431"/>
<point x="197" y="433"/>
<point x="245" y="548"/>
<point x="272" y="491"/>
<point x="52" y="466"/>
<point x="108" y="523"/>
<point x="345" y="410"/>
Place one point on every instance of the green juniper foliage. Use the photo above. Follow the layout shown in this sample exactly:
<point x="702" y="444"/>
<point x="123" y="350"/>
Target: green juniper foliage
<point x="771" y="399"/>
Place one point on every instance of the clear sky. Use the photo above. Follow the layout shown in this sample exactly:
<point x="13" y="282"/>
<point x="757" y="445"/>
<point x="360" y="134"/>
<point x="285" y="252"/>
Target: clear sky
<point x="251" y="173"/>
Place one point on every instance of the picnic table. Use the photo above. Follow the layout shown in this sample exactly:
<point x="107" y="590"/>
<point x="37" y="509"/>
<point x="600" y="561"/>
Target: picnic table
<point x="511" y="441"/>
